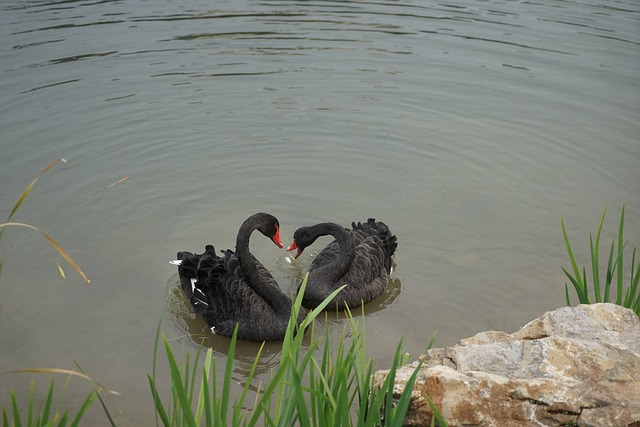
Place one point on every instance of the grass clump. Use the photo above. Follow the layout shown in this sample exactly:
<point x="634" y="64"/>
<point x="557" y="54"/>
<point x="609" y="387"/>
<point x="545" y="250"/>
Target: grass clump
<point x="50" y="413"/>
<point x="334" y="389"/>
<point x="614" y="275"/>
<point x="302" y="391"/>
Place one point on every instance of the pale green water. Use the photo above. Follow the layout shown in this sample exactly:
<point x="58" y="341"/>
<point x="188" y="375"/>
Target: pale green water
<point x="468" y="127"/>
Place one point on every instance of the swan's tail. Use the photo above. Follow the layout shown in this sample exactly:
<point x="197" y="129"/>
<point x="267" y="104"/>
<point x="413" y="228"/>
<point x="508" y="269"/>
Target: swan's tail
<point x="380" y="230"/>
<point x="194" y="270"/>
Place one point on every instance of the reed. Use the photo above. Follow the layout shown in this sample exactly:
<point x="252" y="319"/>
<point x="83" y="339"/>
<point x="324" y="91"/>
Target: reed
<point x="50" y="412"/>
<point x="332" y="388"/>
<point x="614" y="275"/>
<point x="9" y="223"/>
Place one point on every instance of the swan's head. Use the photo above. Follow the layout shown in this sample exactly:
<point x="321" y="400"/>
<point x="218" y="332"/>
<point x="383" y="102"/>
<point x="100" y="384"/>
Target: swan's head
<point x="302" y="238"/>
<point x="270" y="227"/>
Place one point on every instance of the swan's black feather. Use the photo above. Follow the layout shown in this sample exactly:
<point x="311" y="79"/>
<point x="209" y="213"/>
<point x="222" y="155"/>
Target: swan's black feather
<point x="224" y="296"/>
<point x="360" y="257"/>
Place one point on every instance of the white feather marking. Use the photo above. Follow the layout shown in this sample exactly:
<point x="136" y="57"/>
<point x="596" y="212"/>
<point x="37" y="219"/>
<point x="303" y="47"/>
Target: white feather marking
<point x="193" y="284"/>
<point x="175" y="262"/>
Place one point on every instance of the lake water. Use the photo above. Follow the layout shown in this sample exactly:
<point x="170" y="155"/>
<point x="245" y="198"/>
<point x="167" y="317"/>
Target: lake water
<point x="469" y="127"/>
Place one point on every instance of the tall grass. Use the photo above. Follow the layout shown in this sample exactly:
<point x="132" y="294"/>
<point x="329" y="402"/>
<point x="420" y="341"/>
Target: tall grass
<point x="601" y="291"/>
<point x="333" y="389"/>
<point x="50" y="411"/>
<point x="325" y="384"/>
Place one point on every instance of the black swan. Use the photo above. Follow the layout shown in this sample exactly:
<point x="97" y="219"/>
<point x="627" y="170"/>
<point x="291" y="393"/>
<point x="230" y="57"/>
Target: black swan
<point x="359" y="258"/>
<point x="236" y="288"/>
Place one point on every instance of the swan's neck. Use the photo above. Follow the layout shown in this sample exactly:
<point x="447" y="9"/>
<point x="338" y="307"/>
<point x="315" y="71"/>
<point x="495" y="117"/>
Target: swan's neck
<point x="340" y="265"/>
<point x="259" y="279"/>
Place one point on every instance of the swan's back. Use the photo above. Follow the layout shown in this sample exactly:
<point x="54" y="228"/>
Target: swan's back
<point x="388" y="242"/>
<point x="367" y="274"/>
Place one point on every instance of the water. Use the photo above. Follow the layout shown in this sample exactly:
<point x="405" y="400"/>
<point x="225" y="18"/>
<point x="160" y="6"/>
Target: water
<point x="470" y="128"/>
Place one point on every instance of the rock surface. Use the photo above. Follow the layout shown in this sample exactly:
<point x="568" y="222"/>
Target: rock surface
<point x="575" y="366"/>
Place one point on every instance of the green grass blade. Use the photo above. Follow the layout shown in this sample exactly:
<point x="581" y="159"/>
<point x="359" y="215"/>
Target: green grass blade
<point x="160" y="412"/>
<point x="98" y="389"/>
<point x="620" y="258"/>
<point x="152" y="378"/>
<point x="298" y="400"/>
<point x="46" y="409"/>
<point x="206" y="396"/>
<point x="248" y="380"/>
<point x="263" y="405"/>
<point x="330" y="399"/>
<point x="83" y="408"/>
<point x="313" y="400"/>
<point x="192" y="386"/>
<point x="633" y="289"/>
<point x="609" y="278"/>
<point x="30" y="406"/>
<point x="595" y="263"/>
<point x="582" y="297"/>
<point x="179" y="387"/>
<point x="203" y="393"/>
<point x="572" y="258"/>
<point x="405" y="397"/>
<point x="214" y="391"/>
<point x="321" y="307"/>
<point x="616" y="267"/>
<point x="586" y="285"/>
<point x="388" y="391"/>
<point x="17" y="422"/>
<point x="432" y="341"/>
<point x="63" y="419"/>
<point x="594" y="270"/>
<point x="226" y="390"/>
<point x="566" y="291"/>
<point x="436" y="414"/>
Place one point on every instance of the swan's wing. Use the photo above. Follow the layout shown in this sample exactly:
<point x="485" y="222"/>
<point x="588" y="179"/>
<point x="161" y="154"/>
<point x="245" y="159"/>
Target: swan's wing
<point x="367" y="277"/>
<point x="332" y="250"/>
<point x="326" y="256"/>
<point x="388" y="242"/>
<point x="368" y="261"/>
<point x="233" y="301"/>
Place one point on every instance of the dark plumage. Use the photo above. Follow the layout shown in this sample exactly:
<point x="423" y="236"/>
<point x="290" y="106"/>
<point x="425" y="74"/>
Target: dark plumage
<point x="236" y="288"/>
<point x="359" y="258"/>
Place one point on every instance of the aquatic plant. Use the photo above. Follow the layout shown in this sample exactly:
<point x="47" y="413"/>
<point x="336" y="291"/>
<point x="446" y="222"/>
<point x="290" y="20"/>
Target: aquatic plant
<point x="50" y="413"/>
<point x="303" y="390"/>
<point x="630" y="297"/>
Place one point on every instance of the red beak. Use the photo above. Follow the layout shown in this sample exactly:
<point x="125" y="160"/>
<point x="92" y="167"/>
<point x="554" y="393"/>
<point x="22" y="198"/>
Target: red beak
<point x="276" y="238"/>
<point x="292" y="247"/>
